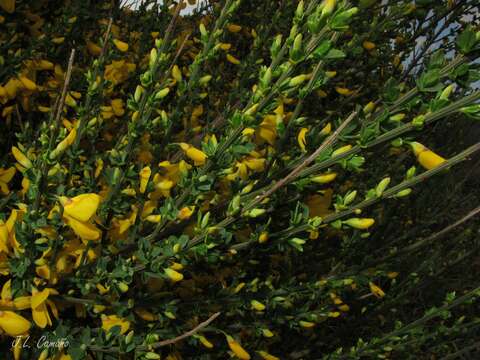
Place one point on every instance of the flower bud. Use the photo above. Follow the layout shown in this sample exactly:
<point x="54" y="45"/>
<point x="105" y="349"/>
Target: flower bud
<point x="162" y="93"/>
<point x="138" y="93"/>
<point x="382" y="185"/>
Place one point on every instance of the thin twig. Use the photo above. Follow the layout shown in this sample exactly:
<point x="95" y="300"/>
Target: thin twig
<point x="65" y="87"/>
<point x="107" y="35"/>
<point x="295" y="172"/>
<point x="187" y="334"/>
<point x="435" y="236"/>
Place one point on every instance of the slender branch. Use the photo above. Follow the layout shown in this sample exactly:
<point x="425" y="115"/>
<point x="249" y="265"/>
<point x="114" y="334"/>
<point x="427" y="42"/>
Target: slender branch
<point x="187" y="334"/>
<point x="295" y="172"/>
<point x="65" y="87"/>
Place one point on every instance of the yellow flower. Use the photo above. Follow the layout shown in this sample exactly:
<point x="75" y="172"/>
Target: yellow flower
<point x="368" y="45"/>
<point x="198" y="156"/>
<point x="263" y="237"/>
<point x="146" y="315"/>
<point x="301" y="138"/>
<point x="144" y="177"/>
<point x="13" y="324"/>
<point x="109" y="321"/>
<point x="369" y="107"/>
<point x="8" y="5"/>
<point x="358" y="223"/>
<point x="177" y="73"/>
<point x="118" y="71"/>
<point x="426" y="157"/>
<point x="343" y="91"/>
<point x="266" y="356"/>
<point x="29" y="84"/>
<point x="58" y="40"/>
<point x="257" y="305"/>
<point x="78" y="212"/>
<point x="341" y="150"/>
<point x="254" y="163"/>
<point x="237" y="349"/>
<point x="81" y="207"/>
<point x="225" y="46"/>
<point x="376" y="290"/>
<point x="39" y="301"/>
<point x="203" y="340"/>
<point x="327" y="7"/>
<point x="327" y="129"/>
<point x="19" y="303"/>
<point x="267" y="130"/>
<point x="93" y="48"/>
<point x="21" y="158"/>
<point x="64" y="144"/>
<point x="306" y="324"/>
<point x="12" y="86"/>
<point x="324" y="178"/>
<point x="234" y="28"/>
<point x="84" y="230"/>
<point x="232" y="59"/>
<point x="122" y="46"/>
<point x="175" y="276"/>
<point x="118" y="107"/>
<point x="186" y="212"/>
<point x="6" y="175"/>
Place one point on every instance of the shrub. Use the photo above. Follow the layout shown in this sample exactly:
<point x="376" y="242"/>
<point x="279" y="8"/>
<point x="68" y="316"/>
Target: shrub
<point x="221" y="182"/>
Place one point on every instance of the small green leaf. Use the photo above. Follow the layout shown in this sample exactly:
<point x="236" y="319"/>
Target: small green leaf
<point x="466" y="40"/>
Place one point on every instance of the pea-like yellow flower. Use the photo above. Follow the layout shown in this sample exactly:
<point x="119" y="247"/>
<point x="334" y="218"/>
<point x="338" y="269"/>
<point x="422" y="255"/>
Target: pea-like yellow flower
<point x="93" y="48"/>
<point x="198" y="156"/>
<point x="177" y="73"/>
<point x="39" y="302"/>
<point x="81" y="207"/>
<point x="266" y="356"/>
<point x="369" y="107"/>
<point x="327" y="129"/>
<point x="144" y="177"/>
<point x="324" y="178"/>
<point x="426" y="157"/>
<point x="173" y="275"/>
<point x="302" y="142"/>
<point x="64" y="144"/>
<point x="58" y="40"/>
<point x="21" y="158"/>
<point x="237" y="349"/>
<point x="120" y="45"/>
<point x="376" y="290"/>
<point x="29" y="84"/>
<point x="234" y="28"/>
<point x="6" y="175"/>
<point x="368" y="45"/>
<point x="306" y="324"/>
<point x="267" y="333"/>
<point x="13" y="324"/>
<point x="204" y="341"/>
<point x="358" y="223"/>
<point x="257" y="305"/>
<point x="118" y="107"/>
<point x="263" y="237"/>
<point x="77" y="213"/>
<point x="232" y="59"/>
<point x="186" y="212"/>
<point x="327" y="7"/>
<point x="341" y="150"/>
<point x="109" y="321"/>
<point x="343" y="91"/>
<point x="146" y="315"/>
<point x="8" y="5"/>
